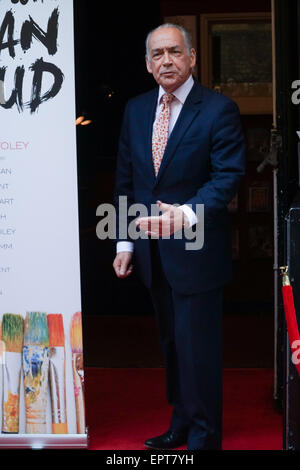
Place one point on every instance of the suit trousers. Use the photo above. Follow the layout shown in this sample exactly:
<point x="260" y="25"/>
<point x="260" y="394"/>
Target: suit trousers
<point x="190" y="334"/>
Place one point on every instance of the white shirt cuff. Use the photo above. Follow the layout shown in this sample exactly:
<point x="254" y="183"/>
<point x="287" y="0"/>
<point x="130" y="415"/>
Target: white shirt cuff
<point x="191" y="216"/>
<point x="124" y="246"/>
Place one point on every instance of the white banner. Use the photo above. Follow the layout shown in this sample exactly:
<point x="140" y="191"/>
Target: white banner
<point x="41" y="378"/>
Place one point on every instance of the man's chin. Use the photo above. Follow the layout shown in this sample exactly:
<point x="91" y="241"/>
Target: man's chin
<point x="169" y="82"/>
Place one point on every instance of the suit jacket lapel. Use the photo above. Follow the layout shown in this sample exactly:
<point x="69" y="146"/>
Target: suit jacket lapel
<point x="150" y="116"/>
<point x="188" y="113"/>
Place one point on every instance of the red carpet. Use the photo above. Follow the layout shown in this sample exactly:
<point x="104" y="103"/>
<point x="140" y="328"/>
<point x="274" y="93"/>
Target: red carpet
<point x="126" y="406"/>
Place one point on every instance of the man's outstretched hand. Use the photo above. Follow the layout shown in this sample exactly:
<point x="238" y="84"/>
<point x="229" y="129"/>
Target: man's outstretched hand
<point x="170" y="221"/>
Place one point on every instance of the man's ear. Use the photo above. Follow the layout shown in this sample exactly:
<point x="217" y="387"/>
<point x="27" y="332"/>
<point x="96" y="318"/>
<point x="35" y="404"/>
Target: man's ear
<point x="148" y="65"/>
<point x="193" y="57"/>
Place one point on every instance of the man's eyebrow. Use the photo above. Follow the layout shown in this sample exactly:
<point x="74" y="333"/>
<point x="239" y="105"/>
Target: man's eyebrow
<point x="162" y="48"/>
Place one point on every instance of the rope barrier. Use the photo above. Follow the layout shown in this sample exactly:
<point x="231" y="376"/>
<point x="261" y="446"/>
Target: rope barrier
<point x="290" y="314"/>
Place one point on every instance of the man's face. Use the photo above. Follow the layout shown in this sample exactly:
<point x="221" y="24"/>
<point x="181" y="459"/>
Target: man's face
<point x="169" y="61"/>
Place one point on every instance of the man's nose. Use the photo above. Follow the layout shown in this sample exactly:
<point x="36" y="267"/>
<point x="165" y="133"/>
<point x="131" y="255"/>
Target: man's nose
<point x="167" y="58"/>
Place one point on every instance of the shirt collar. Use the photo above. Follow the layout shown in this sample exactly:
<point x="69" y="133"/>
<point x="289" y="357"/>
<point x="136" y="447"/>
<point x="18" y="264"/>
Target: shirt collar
<point x="180" y="93"/>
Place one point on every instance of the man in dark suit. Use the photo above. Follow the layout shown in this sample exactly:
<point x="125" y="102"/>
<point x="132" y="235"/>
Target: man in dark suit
<point x="181" y="147"/>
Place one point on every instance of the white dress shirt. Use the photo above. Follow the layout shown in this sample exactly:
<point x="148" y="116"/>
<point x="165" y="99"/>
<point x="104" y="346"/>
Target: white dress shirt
<point x="175" y="107"/>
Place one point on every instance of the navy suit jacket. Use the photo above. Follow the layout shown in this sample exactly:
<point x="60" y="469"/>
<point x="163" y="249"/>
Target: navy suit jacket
<point x="203" y="163"/>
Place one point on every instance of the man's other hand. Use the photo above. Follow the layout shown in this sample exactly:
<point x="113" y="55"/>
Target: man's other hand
<point x="122" y="264"/>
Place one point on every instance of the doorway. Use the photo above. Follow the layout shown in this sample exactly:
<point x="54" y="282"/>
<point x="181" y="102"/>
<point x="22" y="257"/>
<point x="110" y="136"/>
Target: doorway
<point x="253" y="335"/>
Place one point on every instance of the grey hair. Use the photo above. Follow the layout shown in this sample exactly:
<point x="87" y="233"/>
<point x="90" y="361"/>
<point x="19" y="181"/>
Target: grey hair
<point x="186" y="36"/>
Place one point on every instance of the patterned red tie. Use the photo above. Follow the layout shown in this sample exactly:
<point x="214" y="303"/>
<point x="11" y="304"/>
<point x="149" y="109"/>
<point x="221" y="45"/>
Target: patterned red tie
<point x="161" y="132"/>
